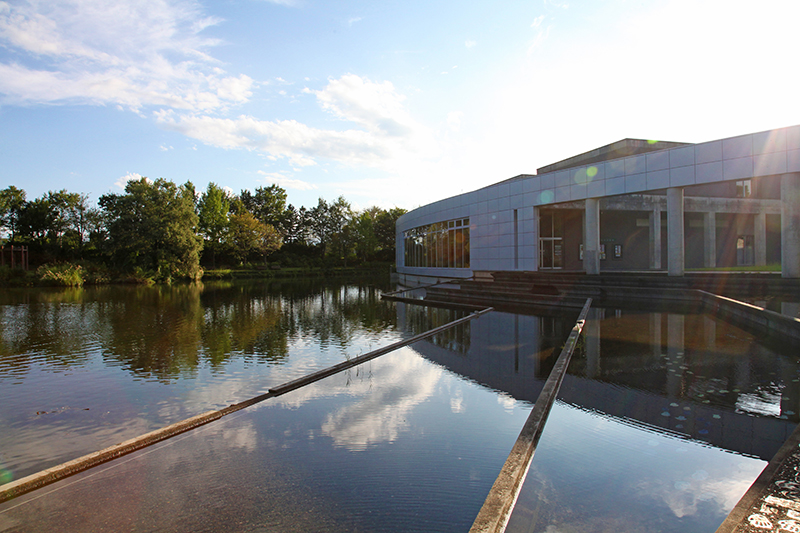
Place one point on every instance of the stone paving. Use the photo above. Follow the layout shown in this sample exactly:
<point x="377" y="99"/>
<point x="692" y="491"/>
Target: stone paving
<point x="772" y="504"/>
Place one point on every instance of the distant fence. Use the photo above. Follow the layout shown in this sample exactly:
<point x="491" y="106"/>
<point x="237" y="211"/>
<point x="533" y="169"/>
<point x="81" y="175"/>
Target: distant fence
<point x="18" y="256"/>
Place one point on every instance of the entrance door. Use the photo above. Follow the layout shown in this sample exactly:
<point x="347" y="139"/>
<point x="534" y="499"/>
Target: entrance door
<point x="551" y="255"/>
<point x="745" y="250"/>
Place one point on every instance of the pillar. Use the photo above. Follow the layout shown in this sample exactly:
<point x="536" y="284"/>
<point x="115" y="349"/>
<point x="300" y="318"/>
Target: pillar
<point x="591" y="334"/>
<point x="710" y="240"/>
<point x="655" y="237"/>
<point x="790" y="225"/>
<point x="675" y="238"/>
<point x="591" y="247"/>
<point x="675" y="354"/>
<point x="536" y="244"/>
<point x="760" y="238"/>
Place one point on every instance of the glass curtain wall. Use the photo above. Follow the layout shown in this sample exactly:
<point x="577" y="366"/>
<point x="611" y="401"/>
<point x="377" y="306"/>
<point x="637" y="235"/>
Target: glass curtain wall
<point x="439" y="245"/>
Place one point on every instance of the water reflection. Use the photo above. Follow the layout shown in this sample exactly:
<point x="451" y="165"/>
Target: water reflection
<point x="641" y="439"/>
<point x="82" y="369"/>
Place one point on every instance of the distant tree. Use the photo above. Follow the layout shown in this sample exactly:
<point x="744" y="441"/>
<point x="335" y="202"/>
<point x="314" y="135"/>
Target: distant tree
<point x="363" y="227"/>
<point x="152" y="226"/>
<point x="213" y="210"/>
<point x="35" y="221"/>
<point x="247" y="236"/>
<point x="267" y="204"/>
<point x="296" y="225"/>
<point x="12" y="202"/>
<point x="385" y="229"/>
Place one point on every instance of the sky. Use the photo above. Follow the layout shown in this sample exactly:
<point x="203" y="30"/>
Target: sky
<point x="390" y="104"/>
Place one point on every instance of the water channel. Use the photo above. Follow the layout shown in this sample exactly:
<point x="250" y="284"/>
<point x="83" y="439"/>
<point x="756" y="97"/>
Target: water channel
<point x="662" y="423"/>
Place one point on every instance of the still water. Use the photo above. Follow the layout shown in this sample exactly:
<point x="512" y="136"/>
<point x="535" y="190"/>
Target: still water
<point x="662" y="423"/>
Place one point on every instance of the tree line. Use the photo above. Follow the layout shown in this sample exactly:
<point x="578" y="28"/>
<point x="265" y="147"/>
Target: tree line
<point x="170" y="231"/>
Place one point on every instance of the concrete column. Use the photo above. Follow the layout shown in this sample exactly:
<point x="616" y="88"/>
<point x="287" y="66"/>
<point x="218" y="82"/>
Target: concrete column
<point x="592" y="339"/>
<point x="655" y="334"/>
<point x="675" y="354"/>
<point x="760" y="238"/>
<point x="710" y="240"/>
<point x="790" y="225"/>
<point x="535" y="237"/>
<point x="655" y="238"/>
<point x="675" y="236"/>
<point x="791" y="309"/>
<point x="591" y="246"/>
<point x="710" y="331"/>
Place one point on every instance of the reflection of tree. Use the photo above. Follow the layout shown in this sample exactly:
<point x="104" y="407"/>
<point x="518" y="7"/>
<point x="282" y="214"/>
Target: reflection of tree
<point x="43" y="326"/>
<point x="165" y="332"/>
<point x="421" y="319"/>
<point x="153" y="330"/>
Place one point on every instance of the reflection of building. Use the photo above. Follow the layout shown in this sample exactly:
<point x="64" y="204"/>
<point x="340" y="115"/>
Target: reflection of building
<point x="689" y="375"/>
<point x="630" y="205"/>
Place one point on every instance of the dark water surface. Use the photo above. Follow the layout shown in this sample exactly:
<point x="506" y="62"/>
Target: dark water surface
<point x="662" y="423"/>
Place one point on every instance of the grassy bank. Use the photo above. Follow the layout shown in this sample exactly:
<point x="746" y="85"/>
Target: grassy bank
<point x="75" y="275"/>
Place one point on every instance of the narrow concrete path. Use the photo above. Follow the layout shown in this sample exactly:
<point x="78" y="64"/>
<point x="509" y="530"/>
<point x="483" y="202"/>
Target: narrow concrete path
<point x="772" y="504"/>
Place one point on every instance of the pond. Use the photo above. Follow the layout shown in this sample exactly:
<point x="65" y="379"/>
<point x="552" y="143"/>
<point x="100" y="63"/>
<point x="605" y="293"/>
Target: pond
<point x="662" y="423"/>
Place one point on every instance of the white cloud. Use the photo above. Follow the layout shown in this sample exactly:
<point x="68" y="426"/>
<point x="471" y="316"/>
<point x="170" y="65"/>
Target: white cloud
<point x="123" y="180"/>
<point x="99" y="52"/>
<point x="285" y="182"/>
<point x="384" y="131"/>
<point x="353" y="20"/>
<point x="454" y="119"/>
<point x="469" y="44"/>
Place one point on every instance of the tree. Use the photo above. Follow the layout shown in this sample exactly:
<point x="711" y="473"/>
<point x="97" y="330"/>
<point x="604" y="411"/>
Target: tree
<point x="12" y="201"/>
<point x="152" y="226"/>
<point x="248" y="235"/>
<point x="328" y="223"/>
<point x="296" y="225"/>
<point x="213" y="209"/>
<point x="364" y="230"/>
<point x="267" y="204"/>
<point x="385" y="229"/>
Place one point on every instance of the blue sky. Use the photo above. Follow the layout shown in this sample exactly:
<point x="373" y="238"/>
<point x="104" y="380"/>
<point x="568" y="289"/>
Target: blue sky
<point x="387" y="103"/>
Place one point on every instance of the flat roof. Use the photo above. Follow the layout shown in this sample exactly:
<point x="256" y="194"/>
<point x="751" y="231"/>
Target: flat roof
<point x="616" y="150"/>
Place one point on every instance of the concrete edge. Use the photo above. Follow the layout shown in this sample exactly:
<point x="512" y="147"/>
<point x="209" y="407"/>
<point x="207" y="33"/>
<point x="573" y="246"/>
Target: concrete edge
<point x="500" y="502"/>
<point x="741" y="510"/>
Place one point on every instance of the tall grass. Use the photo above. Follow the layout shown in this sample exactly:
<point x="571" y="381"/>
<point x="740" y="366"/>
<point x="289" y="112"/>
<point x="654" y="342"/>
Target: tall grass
<point x="63" y="275"/>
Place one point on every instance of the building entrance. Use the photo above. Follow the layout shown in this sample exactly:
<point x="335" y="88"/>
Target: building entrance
<point x="551" y="249"/>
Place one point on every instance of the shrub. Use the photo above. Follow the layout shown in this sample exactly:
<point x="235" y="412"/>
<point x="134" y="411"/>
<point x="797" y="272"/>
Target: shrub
<point x="64" y="275"/>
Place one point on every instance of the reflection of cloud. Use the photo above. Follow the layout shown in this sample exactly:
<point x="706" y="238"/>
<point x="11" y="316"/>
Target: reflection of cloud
<point x="506" y="401"/>
<point x="382" y="412"/>
<point x="457" y="402"/>
<point x="684" y="495"/>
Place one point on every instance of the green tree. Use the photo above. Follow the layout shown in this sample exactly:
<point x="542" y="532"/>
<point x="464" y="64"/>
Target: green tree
<point x="267" y="204"/>
<point x="247" y="235"/>
<point x="213" y="210"/>
<point x="12" y="202"/>
<point x="385" y="229"/>
<point x="329" y="224"/>
<point x="152" y="226"/>
<point x="296" y="225"/>
<point x="363" y="227"/>
<point x="35" y="221"/>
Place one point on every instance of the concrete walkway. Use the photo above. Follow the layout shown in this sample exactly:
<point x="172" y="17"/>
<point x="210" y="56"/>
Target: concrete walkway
<point x="772" y="504"/>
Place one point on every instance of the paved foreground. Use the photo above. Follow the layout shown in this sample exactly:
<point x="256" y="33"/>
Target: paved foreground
<point x="772" y="504"/>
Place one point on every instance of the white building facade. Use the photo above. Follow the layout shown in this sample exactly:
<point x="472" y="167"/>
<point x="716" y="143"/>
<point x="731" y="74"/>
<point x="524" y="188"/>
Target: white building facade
<point x="631" y="205"/>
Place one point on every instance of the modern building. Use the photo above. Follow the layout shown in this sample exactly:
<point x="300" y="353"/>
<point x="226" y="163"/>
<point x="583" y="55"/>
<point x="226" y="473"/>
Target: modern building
<point x="632" y="205"/>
